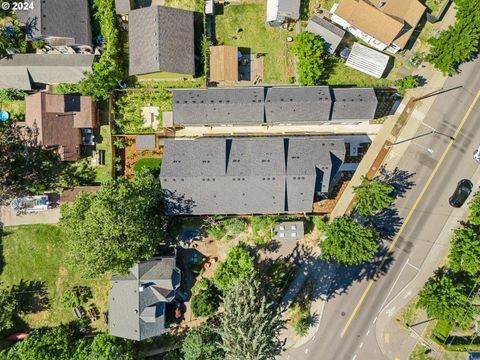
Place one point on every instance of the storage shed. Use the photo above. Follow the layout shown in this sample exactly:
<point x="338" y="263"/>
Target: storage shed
<point x="223" y="63"/>
<point x="331" y="34"/>
<point x="367" y="60"/>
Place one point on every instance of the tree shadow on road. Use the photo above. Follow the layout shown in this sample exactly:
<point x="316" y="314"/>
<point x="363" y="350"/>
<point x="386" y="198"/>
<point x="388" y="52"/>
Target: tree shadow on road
<point x="399" y="179"/>
<point x="386" y="223"/>
<point x="331" y="279"/>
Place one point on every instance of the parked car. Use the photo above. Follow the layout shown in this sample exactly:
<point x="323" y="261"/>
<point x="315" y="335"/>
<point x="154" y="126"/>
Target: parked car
<point x="476" y="154"/>
<point x="462" y="191"/>
<point x="30" y="204"/>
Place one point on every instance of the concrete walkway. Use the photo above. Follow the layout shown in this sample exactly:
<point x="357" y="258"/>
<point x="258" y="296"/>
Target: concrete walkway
<point x="10" y="218"/>
<point x="393" y="132"/>
<point x="364" y="128"/>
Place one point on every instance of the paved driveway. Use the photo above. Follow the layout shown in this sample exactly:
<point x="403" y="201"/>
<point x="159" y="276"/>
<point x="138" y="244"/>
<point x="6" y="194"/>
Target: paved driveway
<point x="10" y="218"/>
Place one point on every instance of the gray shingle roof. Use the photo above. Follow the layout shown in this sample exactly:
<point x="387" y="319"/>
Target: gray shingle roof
<point x="297" y="104"/>
<point x="218" y="106"/>
<point x="330" y="33"/>
<point x="275" y="105"/>
<point x="145" y="142"/>
<point x="247" y="175"/>
<point x="43" y="69"/>
<point x="289" y="8"/>
<point x="59" y="18"/>
<point x="355" y="103"/>
<point x="137" y="300"/>
<point x="124" y="6"/>
<point x="161" y="39"/>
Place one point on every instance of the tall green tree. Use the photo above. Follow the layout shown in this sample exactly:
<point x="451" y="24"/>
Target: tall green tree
<point x="347" y="242"/>
<point x="310" y="50"/>
<point x="446" y="299"/>
<point x="465" y="251"/>
<point x="250" y="325"/>
<point x="457" y="43"/>
<point x="238" y="264"/>
<point x="25" y="168"/>
<point x="372" y="196"/>
<point x="115" y="228"/>
<point x="202" y="342"/>
<point x="9" y="305"/>
<point x="67" y="342"/>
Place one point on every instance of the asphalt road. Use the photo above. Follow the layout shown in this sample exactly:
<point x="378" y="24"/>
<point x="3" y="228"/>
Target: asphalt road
<point x="347" y="327"/>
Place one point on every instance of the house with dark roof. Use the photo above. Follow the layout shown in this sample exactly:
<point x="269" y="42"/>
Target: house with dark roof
<point x="271" y="175"/>
<point x="137" y="301"/>
<point x="58" y="121"/>
<point x="216" y="106"/>
<point x="272" y="105"/>
<point x="64" y="22"/>
<point x="30" y="71"/>
<point x="384" y="25"/>
<point x="161" y="39"/>
<point x="331" y="34"/>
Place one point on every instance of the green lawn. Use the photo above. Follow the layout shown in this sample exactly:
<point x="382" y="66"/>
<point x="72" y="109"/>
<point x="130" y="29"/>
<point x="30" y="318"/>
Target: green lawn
<point x="340" y="74"/>
<point x="256" y="35"/>
<point x="16" y="108"/>
<point x="152" y="164"/>
<point x="104" y="171"/>
<point x="37" y="253"/>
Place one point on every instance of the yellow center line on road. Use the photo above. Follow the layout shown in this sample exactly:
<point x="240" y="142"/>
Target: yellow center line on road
<point x="407" y="219"/>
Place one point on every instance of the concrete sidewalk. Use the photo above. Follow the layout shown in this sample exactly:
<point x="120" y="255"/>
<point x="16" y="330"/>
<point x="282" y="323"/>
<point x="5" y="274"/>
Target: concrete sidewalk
<point x="393" y="131"/>
<point x="326" y="129"/>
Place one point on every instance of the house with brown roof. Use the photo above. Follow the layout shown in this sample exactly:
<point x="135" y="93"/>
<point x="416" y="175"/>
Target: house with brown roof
<point x="58" y="121"/>
<point x="383" y="24"/>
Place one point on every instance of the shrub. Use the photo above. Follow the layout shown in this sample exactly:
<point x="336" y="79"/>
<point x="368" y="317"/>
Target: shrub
<point x="151" y="164"/>
<point x="75" y="296"/>
<point x="408" y="82"/>
<point x="301" y="327"/>
<point x="205" y="303"/>
<point x="38" y="44"/>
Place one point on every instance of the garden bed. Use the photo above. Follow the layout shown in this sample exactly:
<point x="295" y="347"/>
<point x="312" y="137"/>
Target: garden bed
<point x="136" y="159"/>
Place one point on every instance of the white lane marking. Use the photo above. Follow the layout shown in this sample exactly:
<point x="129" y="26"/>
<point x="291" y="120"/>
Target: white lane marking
<point x="393" y="286"/>
<point x="390" y="311"/>
<point x="313" y="337"/>
<point x="413" y="266"/>
<point x="361" y="345"/>
<point x="407" y="294"/>
<point x="368" y="332"/>
<point x="354" y="357"/>
<point x="306" y="351"/>
<point x="374" y="320"/>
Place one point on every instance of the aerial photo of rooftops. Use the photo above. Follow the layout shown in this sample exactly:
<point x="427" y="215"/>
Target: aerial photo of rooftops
<point x="239" y="180"/>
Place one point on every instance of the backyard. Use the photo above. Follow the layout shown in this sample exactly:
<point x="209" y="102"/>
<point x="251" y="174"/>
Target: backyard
<point x="104" y="172"/>
<point x="244" y="26"/>
<point x="34" y="260"/>
<point x="128" y="107"/>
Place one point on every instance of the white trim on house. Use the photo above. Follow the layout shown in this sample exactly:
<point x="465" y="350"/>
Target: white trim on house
<point x="377" y="44"/>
